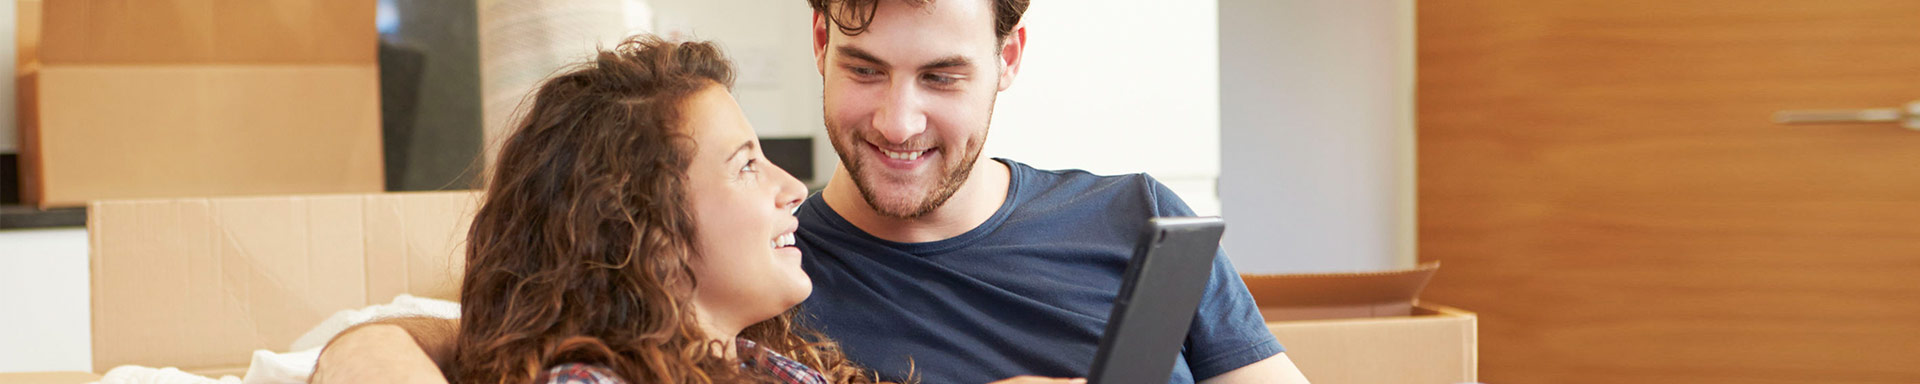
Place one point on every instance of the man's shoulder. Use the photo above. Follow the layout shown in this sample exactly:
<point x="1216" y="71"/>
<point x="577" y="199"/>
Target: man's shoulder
<point x="1075" y="180"/>
<point x="1076" y="186"/>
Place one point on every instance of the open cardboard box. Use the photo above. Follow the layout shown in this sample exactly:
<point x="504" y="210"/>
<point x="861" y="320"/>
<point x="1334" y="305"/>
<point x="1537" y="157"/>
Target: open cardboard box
<point x="199" y="284"/>
<point x="1368" y="327"/>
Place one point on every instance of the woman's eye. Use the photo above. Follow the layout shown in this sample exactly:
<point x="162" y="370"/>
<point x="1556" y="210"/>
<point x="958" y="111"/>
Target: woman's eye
<point x="750" y="167"/>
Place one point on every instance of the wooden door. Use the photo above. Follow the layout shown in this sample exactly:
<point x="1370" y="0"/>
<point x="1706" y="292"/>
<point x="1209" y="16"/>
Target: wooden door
<point x="1605" y="186"/>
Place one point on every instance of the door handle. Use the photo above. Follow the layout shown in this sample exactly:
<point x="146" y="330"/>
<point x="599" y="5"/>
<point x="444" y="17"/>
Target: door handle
<point x="1908" y="116"/>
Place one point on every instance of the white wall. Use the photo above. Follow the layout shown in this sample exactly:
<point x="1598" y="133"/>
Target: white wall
<point x="1119" y="86"/>
<point x="1317" y="134"/>
<point x="43" y="289"/>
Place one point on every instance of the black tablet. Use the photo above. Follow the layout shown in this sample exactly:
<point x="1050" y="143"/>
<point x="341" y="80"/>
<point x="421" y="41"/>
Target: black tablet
<point x="1156" y="304"/>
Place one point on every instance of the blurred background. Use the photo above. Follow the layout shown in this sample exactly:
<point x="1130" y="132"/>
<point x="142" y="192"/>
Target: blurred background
<point x="1719" y="191"/>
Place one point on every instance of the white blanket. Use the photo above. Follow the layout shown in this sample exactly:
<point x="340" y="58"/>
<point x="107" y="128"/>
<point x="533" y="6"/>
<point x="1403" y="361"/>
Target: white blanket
<point x="270" y="367"/>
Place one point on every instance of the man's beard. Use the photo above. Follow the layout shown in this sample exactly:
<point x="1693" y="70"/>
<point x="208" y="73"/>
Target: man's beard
<point x="949" y="182"/>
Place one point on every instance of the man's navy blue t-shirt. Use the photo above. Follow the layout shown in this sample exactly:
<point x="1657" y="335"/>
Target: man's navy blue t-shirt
<point x="1025" y="293"/>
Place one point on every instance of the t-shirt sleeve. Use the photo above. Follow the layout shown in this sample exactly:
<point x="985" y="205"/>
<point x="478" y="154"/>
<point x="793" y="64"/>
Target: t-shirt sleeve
<point x="1228" y="331"/>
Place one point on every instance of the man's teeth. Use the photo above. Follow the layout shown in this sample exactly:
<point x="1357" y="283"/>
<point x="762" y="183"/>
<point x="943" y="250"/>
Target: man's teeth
<point x="783" y="241"/>
<point x="903" y="155"/>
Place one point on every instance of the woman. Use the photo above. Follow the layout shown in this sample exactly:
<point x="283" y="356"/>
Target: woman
<point x="634" y="232"/>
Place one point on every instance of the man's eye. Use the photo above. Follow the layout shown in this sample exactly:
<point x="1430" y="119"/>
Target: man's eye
<point x="864" y="71"/>
<point x="939" y="79"/>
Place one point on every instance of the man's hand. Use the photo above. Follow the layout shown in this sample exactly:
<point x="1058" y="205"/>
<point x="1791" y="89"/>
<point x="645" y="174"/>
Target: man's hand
<point x="1040" y="380"/>
<point x="405" y="350"/>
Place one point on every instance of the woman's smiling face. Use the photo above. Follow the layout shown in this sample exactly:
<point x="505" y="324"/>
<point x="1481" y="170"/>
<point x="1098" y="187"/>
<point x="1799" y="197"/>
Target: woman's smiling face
<point x="742" y="205"/>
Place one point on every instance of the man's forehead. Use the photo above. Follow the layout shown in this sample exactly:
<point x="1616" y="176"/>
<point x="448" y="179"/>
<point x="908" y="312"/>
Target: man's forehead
<point x="929" y="22"/>
<point x="925" y="36"/>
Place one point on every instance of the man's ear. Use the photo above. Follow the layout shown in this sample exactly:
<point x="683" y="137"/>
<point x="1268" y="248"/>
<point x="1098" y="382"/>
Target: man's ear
<point x="820" y="33"/>
<point x="1012" y="51"/>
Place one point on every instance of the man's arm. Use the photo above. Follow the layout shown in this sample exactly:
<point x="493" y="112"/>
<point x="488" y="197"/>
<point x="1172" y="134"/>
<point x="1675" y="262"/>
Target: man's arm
<point x="1274" y="370"/>
<point x="409" y="350"/>
<point x="1228" y="329"/>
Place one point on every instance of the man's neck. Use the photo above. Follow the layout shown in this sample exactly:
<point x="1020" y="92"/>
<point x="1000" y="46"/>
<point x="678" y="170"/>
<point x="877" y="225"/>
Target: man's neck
<point x="976" y="201"/>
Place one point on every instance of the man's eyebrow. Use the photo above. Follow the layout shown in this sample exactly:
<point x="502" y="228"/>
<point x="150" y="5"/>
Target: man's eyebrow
<point x="947" y="62"/>
<point x="744" y="147"/>
<point x="860" y="54"/>
<point x="942" y="63"/>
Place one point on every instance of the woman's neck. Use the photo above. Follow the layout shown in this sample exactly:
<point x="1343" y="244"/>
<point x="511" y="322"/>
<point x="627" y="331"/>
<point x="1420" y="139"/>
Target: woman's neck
<point x="719" y="331"/>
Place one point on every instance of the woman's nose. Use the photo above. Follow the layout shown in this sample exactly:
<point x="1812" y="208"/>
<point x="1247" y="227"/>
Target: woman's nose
<point x="790" y="191"/>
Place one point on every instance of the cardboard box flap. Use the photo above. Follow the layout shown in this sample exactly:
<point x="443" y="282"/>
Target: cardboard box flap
<point x="201" y="283"/>
<point x="1339" y="295"/>
<point x="208" y="31"/>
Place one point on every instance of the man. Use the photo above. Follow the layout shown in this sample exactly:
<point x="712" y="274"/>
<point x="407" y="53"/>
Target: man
<point x="928" y="260"/>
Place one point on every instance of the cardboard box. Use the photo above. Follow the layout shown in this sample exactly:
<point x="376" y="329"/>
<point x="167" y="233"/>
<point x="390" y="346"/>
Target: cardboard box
<point x="1368" y="327"/>
<point x="175" y="98"/>
<point x="148" y="32"/>
<point x="201" y="283"/>
<point x="26" y="33"/>
<point x="48" y="378"/>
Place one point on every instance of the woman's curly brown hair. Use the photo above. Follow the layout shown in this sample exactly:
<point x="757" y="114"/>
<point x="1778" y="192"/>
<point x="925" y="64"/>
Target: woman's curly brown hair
<point x="580" y="251"/>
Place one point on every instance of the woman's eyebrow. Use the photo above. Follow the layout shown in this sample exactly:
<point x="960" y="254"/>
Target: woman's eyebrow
<point x="744" y="147"/>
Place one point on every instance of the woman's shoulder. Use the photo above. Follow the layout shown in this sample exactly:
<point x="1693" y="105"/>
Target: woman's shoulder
<point x="578" y="373"/>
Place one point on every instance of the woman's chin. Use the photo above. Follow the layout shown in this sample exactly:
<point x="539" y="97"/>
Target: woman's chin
<point x="800" y="292"/>
<point x="787" y="301"/>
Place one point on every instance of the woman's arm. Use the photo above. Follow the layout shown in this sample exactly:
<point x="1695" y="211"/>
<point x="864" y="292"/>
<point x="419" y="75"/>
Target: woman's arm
<point x="1274" y="370"/>
<point x="398" y="350"/>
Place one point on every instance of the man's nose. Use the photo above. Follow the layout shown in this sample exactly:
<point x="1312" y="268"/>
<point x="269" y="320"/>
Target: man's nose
<point x="900" y="116"/>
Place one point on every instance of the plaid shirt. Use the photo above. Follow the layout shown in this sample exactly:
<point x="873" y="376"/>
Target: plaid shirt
<point x="752" y="357"/>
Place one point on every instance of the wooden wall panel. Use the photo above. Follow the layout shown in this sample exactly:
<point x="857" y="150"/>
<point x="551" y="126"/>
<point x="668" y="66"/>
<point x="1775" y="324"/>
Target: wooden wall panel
<point x="1605" y="187"/>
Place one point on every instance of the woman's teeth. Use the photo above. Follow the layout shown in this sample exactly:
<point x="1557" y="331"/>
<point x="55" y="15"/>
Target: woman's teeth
<point x="903" y="155"/>
<point x="785" y="240"/>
